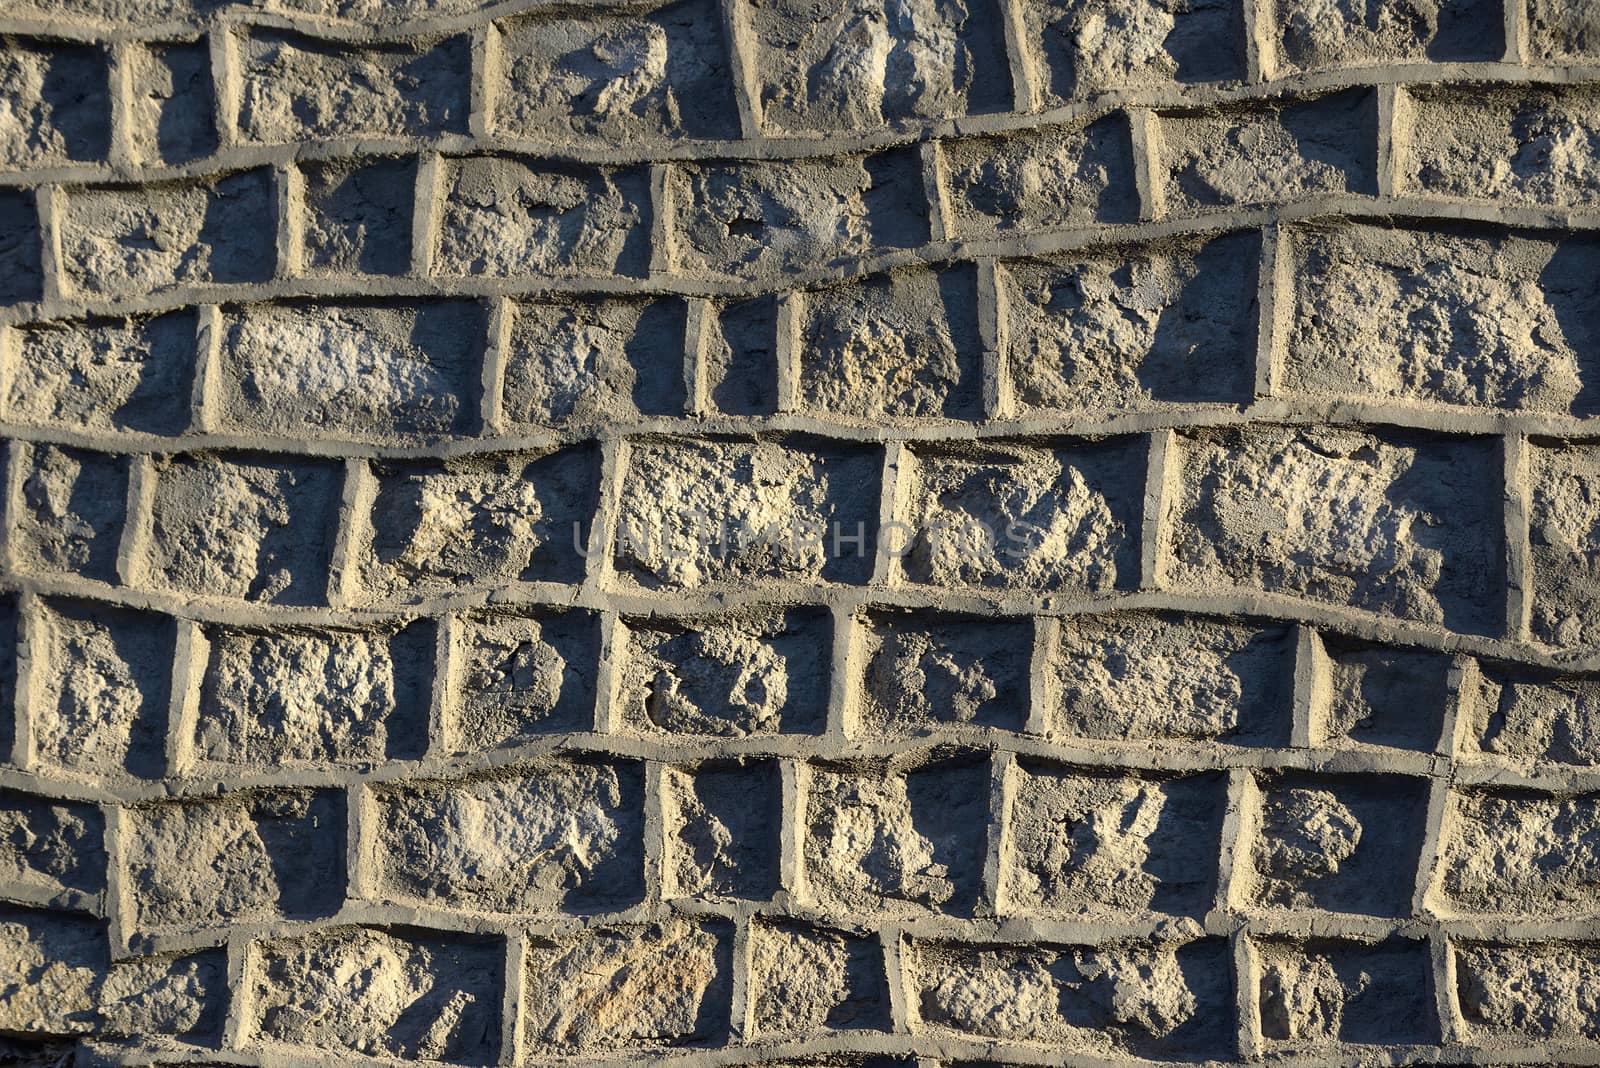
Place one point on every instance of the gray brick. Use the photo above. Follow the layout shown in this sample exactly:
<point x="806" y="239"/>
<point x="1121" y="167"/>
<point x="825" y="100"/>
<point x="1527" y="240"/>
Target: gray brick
<point x="105" y="374"/>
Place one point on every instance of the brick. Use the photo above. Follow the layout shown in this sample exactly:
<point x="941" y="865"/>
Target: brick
<point x="184" y="997"/>
<point x="1322" y="33"/>
<point x="902" y="345"/>
<point x="379" y="993"/>
<point x="21" y="250"/>
<point x="761" y="672"/>
<point x="1564" y="536"/>
<point x="1399" y="525"/>
<point x="1382" y="696"/>
<point x="296" y="88"/>
<point x="131" y="239"/>
<point x="439" y="527"/>
<point x="565" y="836"/>
<point x="740" y="356"/>
<point x="631" y="987"/>
<point x="253" y="528"/>
<point x="811" y="979"/>
<point x="1526" y="716"/>
<point x="1326" y="992"/>
<point x="358" y="216"/>
<point x="369" y="369"/>
<point x="170" y="114"/>
<point x="899" y="843"/>
<point x="1067" y="176"/>
<point x="1563" y="31"/>
<point x="242" y="857"/>
<point x="1128" y="328"/>
<point x="50" y="972"/>
<point x="583" y="361"/>
<point x="1336" y="843"/>
<point x="1520" y="852"/>
<point x="1096" y="844"/>
<point x="1114" y="1000"/>
<point x="1081" y="47"/>
<point x="851" y="64"/>
<point x="1021" y="517"/>
<point x="661" y="73"/>
<point x="100" y="707"/>
<point x="9" y="641"/>
<point x="1269" y="153"/>
<point x="70" y="516"/>
<point x="105" y="374"/>
<point x="509" y="218"/>
<point x="525" y="675"/>
<point x="929" y="674"/>
<point x="1457" y="316"/>
<point x="57" y="104"/>
<point x="298" y="696"/>
<point x="723" y="830"/>
<point x="51" y="852"/>
<point x="1528" y="991"/>
<point x="778" y="504"/>
<point x="1508" y="146"/>
<point x="743" y="220"/>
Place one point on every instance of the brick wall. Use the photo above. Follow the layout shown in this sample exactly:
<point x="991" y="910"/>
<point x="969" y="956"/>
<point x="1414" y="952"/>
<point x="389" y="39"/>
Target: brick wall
<point x="372" y="375"/>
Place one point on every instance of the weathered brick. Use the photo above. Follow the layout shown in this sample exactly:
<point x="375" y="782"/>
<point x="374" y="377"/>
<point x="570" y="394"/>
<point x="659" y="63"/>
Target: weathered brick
<point x="1059" y="177"/>
<point x="1456" y="316"/>
<point x="1529" y="991"/>
<point x="1521" y="852"/>
<point x="1528" y="716"/>
<point x="784" y="216"/>
<point x="130" y="239"/>
<point x="1336" y="843"/>
<point x="1327" y="33"/>
<point x="100" y="707"/>
<point x="565" y="836"/>
<point x="313" y="696"/>
<point x="740" y="357"/>
<point x="1269" y="153"/>
<point x="661" y="73"/>
<point x="507" y="217"/>
<point x="51" y="852"/>
<point x="1564" y="536"/>
<point x="1325" y="992"/>
<point x="849" y="64"/>
<point x="370" y="370"/>
<point x="70" y="515"/>
<point x="897" y="842"/>
<point x="358" y="215"/>
<point x="9" y="640"/>
<point x="757" y="673"/>
<point x="57" y="107"/>
<point x="182" y="997"/>
<point x="378" y="993"/>
<point x="639" y="986"/>
<point x="253" y="856"/>
<point x="440" y="527"/>
<point x="697" y="513"/>
<point x="50" y="972"/>
<point x="1081" y="47"/>
<point x="902" y="345"/>
<point x="1023" y="517"/>
<point x="247" y="527"/>
<point x="1563" y="30"/>
<point x="1126" y="328"/>
<point x="1380" y="695"/>
<point x="926" y="674"/>
<point x="810" y="979"/>
<point x="723" y="830"/>
<point x="105" y="374"/>
<point x="1095" y="844"/>
<point x="296" y="88"/>
<point x="582" y="361"/>
<point x="1400" y="525"/>
<point x="21" y="250"/>
<point x="1509" y="146"/>
<point x="525" y="675"/>
<point x="1115" y="1000"/>
<point x="170" y="109"/>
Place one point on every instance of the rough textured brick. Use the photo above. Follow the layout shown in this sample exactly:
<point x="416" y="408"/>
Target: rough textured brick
<point x="181" y="996"/>
<point x="243" y="857"/>
<point x="1021" y="517"/>
<point x="740" y="357"/>
<point x="358" y="216"/>
<point x="126" y="239"/>
<point x="1321" y="993"/>
<point x="1526" y="716"/>
<point x="526" y="675"/>
<point x="1521" y="853"/>
<point x="1085" y="46"/>
<point x="21" y="251"/>
<point x="1255" y="153"/>
<point x="661" y="73"/>
<point x="70" y="516"/>
<point x="753" y="674"/>
<point x="581" y="362"/>
<point x="725" y="835"/>
<point x="52" y="851"/>
<point x="567" y="836"/>
<point x="1529" y="992"/>
<point x="1564" y="531"/>
<point x="381" y="994"/>
<point x="105" y="374"/>
<point x="295" y="87"/>
<point x="1332" y="33"/>
<point x="931" y="674"/>
<point x="1561" y="31"/>
<point x="1067" y="176"/>
<point x="1402" y="526"/>
<point x="304" y="696"/>
<point x="254" y="528"/>
<point x="50" y="971"/>
<point x="56" y="108"/>
<point x="1133" y="327"/>
<point x="171" y="115"/>
<point x="373" y="370"/>
<point x="1377" y="695"/>
<point x="814" y="979"/>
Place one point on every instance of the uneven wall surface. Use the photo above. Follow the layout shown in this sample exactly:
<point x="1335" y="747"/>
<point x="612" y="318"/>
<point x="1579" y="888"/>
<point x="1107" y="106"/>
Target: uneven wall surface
<point x="849" y="532"/>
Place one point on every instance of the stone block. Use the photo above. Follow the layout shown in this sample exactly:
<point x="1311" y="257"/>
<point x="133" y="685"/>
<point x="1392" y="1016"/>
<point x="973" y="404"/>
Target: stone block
<point x="810" y="980"/>
<point x="130" y="374"/>
<point x="1520" y="852"/>
<point x="21" y="249"/>
<point x="741" y="358"/>
<point x="1323" y="993"/>
<point x="51" y="967"/>
<point x="170" y="110"/>
<point x="723" y="825"/>
<point x="57" y="103"/>
<point x="51" y="852"/>
<point x="929" y="674"/>
<point x="526" y="674"/>
<point x="1527" y="716"/>
<point x="358" y="215"/>
<point x="184" y="997"/>
<point x="1529" y="992"/>
<point x="1382" y="695"/>
<point x="1564" y="536"/>
<point x="1056" y="177"/>
<point x="69" y="518"/>
<point x="1083" y="47"/>
<point x="1313" y="34"/>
